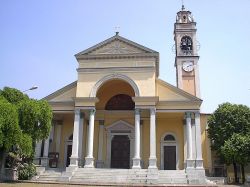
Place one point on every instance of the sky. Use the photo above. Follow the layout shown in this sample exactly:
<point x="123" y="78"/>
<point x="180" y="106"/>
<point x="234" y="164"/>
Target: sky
<point x="38" y="41"/>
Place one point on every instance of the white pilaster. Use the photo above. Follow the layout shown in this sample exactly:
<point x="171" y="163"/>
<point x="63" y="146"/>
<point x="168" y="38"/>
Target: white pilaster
<point x="58" y="136"/>
<point x="99" y="162"/>
<point x="152" y="157"/>
<point x="80" y="152"/>
<point x="137" y="159"/>
<point x="197" y="81"/>
<point x="199" y="160"/>
<point x="190" y="161"/>
<point x="179" y="74"/>
<point x="89" y="159"/>
<point x="75" y="144"/>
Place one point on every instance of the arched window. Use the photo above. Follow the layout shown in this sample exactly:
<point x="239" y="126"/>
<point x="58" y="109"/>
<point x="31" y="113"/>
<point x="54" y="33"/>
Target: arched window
<point x="169" y="137"/>
<point x="120" y="102"/>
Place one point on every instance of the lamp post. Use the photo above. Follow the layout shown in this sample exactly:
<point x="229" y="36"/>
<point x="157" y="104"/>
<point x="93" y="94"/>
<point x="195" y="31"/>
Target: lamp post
<point x="32" y="88"/>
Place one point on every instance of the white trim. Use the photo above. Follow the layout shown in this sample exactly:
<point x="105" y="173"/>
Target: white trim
<point x="123" y="128"/>
<point x="169" y="143"/>
<point x="114" y="77"/>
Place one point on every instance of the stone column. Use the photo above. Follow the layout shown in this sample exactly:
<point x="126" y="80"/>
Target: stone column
<point x="75" y="144"/>
<point x="141" y="133"/>
<point x="80" y="152"/>
<point x="199" y="160"/>
<point x="38" y="153"/>
<point x="58" y="135"/>
<point x="89" y="159"/>
<point x="152" y="157"/>
<point x="44" y="159"/>
<point x="99" y="162"/>
<point x="137" y="159"/>
<point x="190" y="161"/>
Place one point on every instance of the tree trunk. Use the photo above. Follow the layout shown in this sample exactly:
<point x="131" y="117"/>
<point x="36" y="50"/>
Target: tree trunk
<point x="243" y="173"/>
<point x="235" y="173"/>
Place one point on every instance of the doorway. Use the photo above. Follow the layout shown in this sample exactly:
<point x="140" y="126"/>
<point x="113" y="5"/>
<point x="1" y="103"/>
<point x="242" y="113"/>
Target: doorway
<point x="120" y="152"/>
<point x="69" y="151"/>
<point x="169" y="152"/>
<point x="169" y="157"/>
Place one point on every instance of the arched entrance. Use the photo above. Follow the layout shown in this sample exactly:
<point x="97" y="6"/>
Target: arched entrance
<point x="169" y="152"/>
<point x="120" y="152"/>
<point x="115" y="94"/>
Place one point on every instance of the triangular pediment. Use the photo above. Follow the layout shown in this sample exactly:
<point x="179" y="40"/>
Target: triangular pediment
<point x="120" y="126"/>
<point x="168" y="92"/>
<point x="64" y="94"/>
<point x="116" y="45"/>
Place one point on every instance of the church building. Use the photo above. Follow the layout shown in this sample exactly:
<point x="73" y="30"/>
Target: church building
<point x="120" y="115"/>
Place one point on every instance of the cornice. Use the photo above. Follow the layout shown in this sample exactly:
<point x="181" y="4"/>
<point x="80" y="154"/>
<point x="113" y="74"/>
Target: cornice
<point x="116" y="69"/>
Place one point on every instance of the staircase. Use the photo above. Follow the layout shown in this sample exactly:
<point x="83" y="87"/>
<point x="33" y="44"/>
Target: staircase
<point x="115" y="176"/>
<point x="172" y="177"/>
<point x="109" y="176"/>
<point x="49" y="176"/>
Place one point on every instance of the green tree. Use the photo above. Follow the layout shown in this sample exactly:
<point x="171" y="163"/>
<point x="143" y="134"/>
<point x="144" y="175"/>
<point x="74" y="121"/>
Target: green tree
<point x="237" y="149"/>
<point x="10" y="133"/>
<point x="23" y="122"/>
<point x="224" y="122"/>
<point x="35" y="118"/>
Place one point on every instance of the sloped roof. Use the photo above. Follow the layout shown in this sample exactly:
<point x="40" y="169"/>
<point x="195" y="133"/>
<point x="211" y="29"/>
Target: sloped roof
<point x="116" y="38"/>
<point x="179" y="94"/>
<point x="119" y="47"/>
<point x="60" y="94"/>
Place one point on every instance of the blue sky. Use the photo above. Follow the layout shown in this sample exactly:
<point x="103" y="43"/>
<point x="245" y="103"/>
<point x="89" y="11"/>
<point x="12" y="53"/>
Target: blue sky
<point x="38" y="41"/>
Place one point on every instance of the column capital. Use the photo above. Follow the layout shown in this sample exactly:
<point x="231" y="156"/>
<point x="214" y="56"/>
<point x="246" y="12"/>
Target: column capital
<point x="92" y="111"/>
<point x="188" y="114"/>
<point x="152" y="111"/>
<point x="197" y="114"/>
<point x="137" y="111"/>
<point x="77" y="111"/>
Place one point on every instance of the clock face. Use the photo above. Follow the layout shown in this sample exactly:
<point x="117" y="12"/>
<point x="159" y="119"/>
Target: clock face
<point x="188" y="66"/>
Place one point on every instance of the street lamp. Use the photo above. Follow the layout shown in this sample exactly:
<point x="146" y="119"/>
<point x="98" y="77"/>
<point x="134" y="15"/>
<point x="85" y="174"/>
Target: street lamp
<point x="32" y="88"/>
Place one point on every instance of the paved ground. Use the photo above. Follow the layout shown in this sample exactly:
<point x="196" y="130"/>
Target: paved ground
<point x="37" y="185"/>
<point x="19" y="184"/>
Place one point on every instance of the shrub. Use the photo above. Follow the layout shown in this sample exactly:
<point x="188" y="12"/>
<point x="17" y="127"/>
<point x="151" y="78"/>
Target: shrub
<point x="26" y="172"/>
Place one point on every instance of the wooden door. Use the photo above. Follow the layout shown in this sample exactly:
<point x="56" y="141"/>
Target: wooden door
<point x="169" y="157"/>
<point x="120" y="152"/>
<point x="69" y="152"/>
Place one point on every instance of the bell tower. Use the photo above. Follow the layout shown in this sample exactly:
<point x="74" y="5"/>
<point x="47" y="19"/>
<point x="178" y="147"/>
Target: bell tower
<point x="186" y="56"/>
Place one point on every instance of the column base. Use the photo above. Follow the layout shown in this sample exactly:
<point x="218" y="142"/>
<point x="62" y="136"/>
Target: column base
<point x="136" y="163"/>
<point x="196" y="176"/>
<point x="152" y="163"/>
<point x="199" y="164"/>
<point x="100" y="164"/>
<point x="89" y="162"/>
<point x="190" y="163"/>
<point x="74" y="161"/>
<point x="44" y="161"/>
